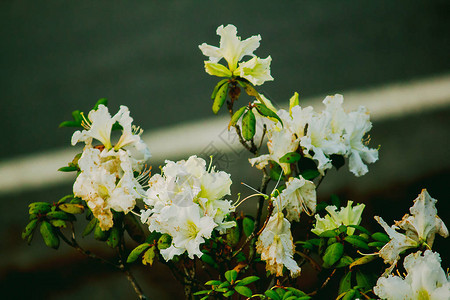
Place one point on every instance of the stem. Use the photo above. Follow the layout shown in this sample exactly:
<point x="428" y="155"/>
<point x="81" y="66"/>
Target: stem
<point x="132" y="280"/>
<point x="323" y="284"/>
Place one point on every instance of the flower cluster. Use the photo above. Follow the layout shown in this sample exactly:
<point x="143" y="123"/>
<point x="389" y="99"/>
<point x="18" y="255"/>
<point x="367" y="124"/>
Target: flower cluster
<point x="106" y="180"/>
<point x="232" y="49"/>
<point x="185" y="203"/>
<point x="320" y="135"/>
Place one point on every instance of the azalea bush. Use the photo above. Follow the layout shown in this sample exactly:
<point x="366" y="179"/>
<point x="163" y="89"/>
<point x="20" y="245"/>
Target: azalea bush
<point x="185" y="217"/>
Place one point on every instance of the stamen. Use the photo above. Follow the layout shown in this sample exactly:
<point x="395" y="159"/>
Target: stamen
<point x="85" y="123"/>
<point x="137" y="130"/>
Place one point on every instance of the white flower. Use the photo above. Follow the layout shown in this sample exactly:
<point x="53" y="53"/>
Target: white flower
<point x="425" y="280"/>
<point x="356" y="127"/>
<point x="423" y="223"/>
<point x="299" y="195"/>
<point x="420" y="227"/>
<point x="99" y="125"/>
<point x="276" y="246"/>
<point x="345" y="216"/>
<point x="188" y="230"/>
<point x="106" y="182"/>
<point x="232" y="49"/>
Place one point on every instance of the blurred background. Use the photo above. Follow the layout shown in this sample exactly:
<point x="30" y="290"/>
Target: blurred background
<point x="59" y="56"/>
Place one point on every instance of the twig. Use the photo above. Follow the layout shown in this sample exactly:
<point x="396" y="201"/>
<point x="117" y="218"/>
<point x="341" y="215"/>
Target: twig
<point x="323" y="284"/>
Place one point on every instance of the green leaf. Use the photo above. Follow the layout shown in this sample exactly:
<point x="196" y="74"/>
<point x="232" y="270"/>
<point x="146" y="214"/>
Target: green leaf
<point x="202" y="292"/>
<point x="356" y="241"/>
<point x="209" y="260"/>
<point x="344" y="261"/>
<point x="231" y="276"/>
<point x="265" y="111"/>
<point x="49" y="235"/>
<point x="248" y="225"/>
<point x="69" y="124"/>
<point x="134" y="255"/>
<point x="60" y="215"/>
<point x="346" y="283"/>
<point x="229" y="293"/>
<point x="381" y="237"/>
<point x="217" y="87"/>
<point x="114" y="237"/>
<point x="275" y="171"/>
<point x="236" y="116"/>
<point x="272" y="295"/>
<point x="58" y="223"/>
<point x="89" y="227"/>
<point x="329" y="233"/>
<point x="39" y="207"/>
<point x="363" y="260"/>
<point x="220" y="98"/>
<point x="100" y="101"/>
<point x="153" y="237"/>
<point x="213" y="282"/>
<point x="349" y="295"/>
<point x="65" y="198"/>
<point x="149" y="256"/>
<point x="224" y="284"/>
<point x="335" y="201"/>
<point x="310" y="174"/>
<point x="363" y="281"/>
<point x="164" y="242"/>
<point x="72" y="208"/>
<point x="233" y="236"/>
<point x="133" y="228"/>
<point x="360" y="228"/>
<point x="244" y="291"/>
<point x="247" y="280"/>
<point x="99" y="234"/>
<point x="306" y="163"/>
<point x="29" y="230"/>
<point x="332" y="254"/>
<point x="290" y="157"/>
<point x="376" y="244"/>
<point x="68" y="169"/>
<point x="248" y="125"/>
<point x="342" y="229"/>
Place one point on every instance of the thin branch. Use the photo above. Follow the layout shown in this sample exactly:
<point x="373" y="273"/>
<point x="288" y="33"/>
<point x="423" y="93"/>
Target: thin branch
<point x="323" y="284"/>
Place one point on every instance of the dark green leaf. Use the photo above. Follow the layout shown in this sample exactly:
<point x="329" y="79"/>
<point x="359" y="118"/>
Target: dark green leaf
<point x="275" y="171"/>
<point x="244" y="291"/>
<point x="133" y="228"/>
<point x="69" y="124"/>
<point x="342" y="228"/>
<point x="233" y="236"/>
<point x="335" y="201"/>
<point x="332" y="254"/>
<point x="360" y="228"/>
<point x="220" y="98"/>
<point x="344" y="261"/>
<point x="114" y="237"/>
<point x="201" y="293"/>
<point x="376" y="244"/>
<point x="49" y="235"/>
<point x="248" y="225"/>
<point x="248" y="125"/>
<point x="99" y="234"/>
<point x="349" y="295"/>
<point x="321" y="206"/>
<point x="236" y="116"/>
<point x="153" y="237"/>
<point x="231" y="276"/>
<point x="272" y="295"/>
<point x="89" y="227"/>
<point x="68" y="169"/>
<point x="306" y="163"/>
<point x="101" y="101"/>
<point x="58" y="223"/>
<point x="337" y="161"/>
<point x="346" y="283"/>
<point x="247" y="280"/>
<point x="356" y="241"/>
<point x="209" y="260"/>
<point x="265" y="111"/>
<point x="65" y="198"/>
<point x="134" y="255"/>
<point x="224" y="284"/>
<point x="329" y="233"/>
<point x="72" y="208"/>
<point x="60" y="215"/>
<point x="310" y="174"/>
<point x="381" y="237"/>
<point x="290" y="157"/>
<point x="364" y="281"/>
<point x="217" y="87"/>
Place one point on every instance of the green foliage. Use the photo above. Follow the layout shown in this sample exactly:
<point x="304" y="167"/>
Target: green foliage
<point x="248" y="125"/>
<point x="248" y="225"/>
<point x="49" y="235"/>
<point x="332" y="254"/>
<point x="236" y="116"/>
<point x="264" y="111"/>
<point x="134" y="255"/>
<point x="217" y="87"/>
<point x="357" y="241"/>
<point x="220" y="97"/>
<point x="291" y="157"/>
